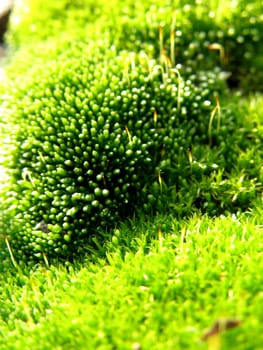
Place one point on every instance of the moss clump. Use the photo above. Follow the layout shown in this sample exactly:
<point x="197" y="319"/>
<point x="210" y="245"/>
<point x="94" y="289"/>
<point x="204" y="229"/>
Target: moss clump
<point x="93" y="131"/>
<point x="100" y="132"/>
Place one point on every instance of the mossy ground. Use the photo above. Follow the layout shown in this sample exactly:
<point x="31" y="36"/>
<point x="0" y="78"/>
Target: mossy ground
<point x="154" y="281"/>
<point x="156" y="284"/>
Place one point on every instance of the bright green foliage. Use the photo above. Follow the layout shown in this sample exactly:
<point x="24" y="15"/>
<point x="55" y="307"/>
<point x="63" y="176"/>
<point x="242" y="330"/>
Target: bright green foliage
<point x="111" y="120"/>
<point x="147" y="292"/>
<point x="100" y="133"/>
<point x="92" y="138"/>
<point x="29" y="19"/>
<point x="202" y="36"/>
<point x="197" y="35"/>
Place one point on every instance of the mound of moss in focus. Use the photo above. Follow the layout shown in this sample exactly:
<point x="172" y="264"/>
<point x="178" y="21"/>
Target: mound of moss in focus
<point x="134" y="118"/>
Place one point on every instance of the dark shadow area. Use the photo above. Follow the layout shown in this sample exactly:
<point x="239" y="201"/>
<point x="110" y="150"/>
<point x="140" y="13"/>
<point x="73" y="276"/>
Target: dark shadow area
<point x="5" y="11"/>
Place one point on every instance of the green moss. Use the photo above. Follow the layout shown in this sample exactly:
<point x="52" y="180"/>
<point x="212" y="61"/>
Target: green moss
<point x="99" y="133"/>
<point x="29" y="19"/>
<point x="196" y="35"/>
<point x="199" y="269"/>
<point x="93" y="130"/>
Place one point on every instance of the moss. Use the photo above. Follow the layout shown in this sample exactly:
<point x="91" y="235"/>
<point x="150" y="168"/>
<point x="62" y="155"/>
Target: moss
<point x="196" y="35"/>
<point x="93" y="131"/>
<point x="101" y="129"/>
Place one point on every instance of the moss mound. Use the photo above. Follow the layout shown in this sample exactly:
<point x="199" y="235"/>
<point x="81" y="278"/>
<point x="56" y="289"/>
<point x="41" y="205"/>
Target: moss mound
<point x="93" y="131"/>
<point x="123" y="123"/>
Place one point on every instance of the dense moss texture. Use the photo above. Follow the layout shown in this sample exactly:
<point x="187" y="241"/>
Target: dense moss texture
<point x="98" y="131"/>
<point x="197" y="35"/>
<point x="106" y="127"/>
